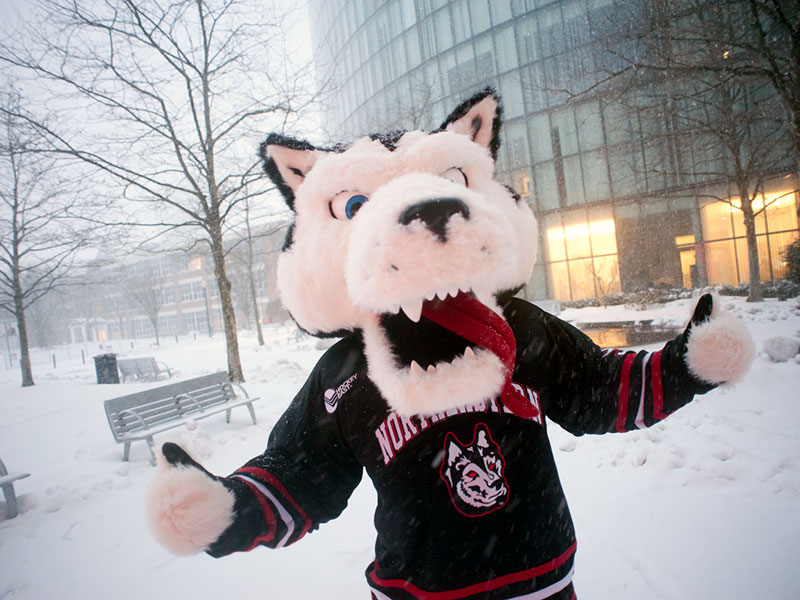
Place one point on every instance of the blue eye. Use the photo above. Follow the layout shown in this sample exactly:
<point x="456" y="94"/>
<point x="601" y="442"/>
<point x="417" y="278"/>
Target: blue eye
<point x="354" y="203"/>
<point x="346" y="204"/>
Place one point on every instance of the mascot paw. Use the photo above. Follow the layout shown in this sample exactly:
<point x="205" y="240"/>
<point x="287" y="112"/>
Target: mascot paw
<point x="187" y="508"/>
<point x="719" y="349"/>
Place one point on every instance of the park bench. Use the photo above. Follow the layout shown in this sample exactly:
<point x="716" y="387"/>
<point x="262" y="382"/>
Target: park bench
<point x="141" y="368"/>
<point x="7" y="483"/>
<point x="144" y="414"/>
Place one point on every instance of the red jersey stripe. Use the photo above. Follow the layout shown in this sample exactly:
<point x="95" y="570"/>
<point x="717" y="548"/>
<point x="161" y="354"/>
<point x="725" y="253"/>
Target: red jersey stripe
<point x="477" y="588"/>
<point x="624" y="383"/>
<point x="273" y="481"/>
<point x="269" y="516"/>
<point x="658" y="391"/>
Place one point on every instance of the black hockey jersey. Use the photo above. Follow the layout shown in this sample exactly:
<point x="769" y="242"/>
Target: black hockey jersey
<point x="469" y="501"/>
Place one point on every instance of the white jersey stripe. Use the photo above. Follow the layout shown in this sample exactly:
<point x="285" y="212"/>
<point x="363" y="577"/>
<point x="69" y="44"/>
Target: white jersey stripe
<point x="537" y="595"/>
<point x="550" y="589"/>
<point x="378" y="594"/>
<point x="640" y="413"/>
<point x="282" y="512"/>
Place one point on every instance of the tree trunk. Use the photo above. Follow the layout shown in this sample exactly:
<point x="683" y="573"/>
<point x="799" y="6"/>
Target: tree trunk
<point x="251" y="278"/>
<point x="228" y="315"/>
<point x="794" y="129"/>
<point x="22" y="333"/>
<point x="254" y="297"/>
<point x="756" y="292"/>
<point x="155" y="329"/>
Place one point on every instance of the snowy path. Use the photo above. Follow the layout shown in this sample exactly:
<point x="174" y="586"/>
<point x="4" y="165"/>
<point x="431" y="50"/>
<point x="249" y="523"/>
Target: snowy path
<point x="704" y="505"/>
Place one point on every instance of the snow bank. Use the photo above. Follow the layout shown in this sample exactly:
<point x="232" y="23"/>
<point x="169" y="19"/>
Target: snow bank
<point x="704" y="505"/>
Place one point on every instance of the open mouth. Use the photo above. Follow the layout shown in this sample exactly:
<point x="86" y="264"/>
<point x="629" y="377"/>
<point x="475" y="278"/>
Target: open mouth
<point x="448" y="328"/>
<point x="440" y="330"/>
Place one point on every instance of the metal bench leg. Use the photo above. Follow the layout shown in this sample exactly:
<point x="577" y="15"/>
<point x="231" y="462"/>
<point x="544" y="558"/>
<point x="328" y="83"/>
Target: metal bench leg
<point x="228" y="415"/>
<point x="11" y="500"/>
<point x="252" y="412"/>
<point x="151" y="446"/>
<point x="126" y="451"/>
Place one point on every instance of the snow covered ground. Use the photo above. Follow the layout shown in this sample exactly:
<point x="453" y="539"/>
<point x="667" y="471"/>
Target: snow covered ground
<point x="704" y="505"/>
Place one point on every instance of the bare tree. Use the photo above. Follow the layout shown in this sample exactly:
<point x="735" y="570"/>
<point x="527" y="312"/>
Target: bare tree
<point x="145" y="292"/>
<point x="753" y="39"/>
<point x="605" y="275"/>
<point x="38" y="238"/>
<point x="245" y="252"/>
<point x="776" y="52"/>
<point x="44" y="318"/>
<point x="705" y="108"/>
<point x="169" y="90"/>
<point x="407" y="111"/>
<point x="714" y="132"/>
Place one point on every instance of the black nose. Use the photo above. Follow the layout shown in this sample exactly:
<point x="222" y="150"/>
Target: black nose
<point x="434" y="214"/>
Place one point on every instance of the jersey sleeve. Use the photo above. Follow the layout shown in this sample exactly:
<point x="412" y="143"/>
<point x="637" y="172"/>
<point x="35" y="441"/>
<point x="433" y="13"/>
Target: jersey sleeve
<point x="598" y="390"/>
<point x="304" y="478"/>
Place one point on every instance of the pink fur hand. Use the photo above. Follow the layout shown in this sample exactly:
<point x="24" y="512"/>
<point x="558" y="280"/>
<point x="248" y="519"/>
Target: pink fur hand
<point x="188" y="509"/>
<point x="720" y="349"/>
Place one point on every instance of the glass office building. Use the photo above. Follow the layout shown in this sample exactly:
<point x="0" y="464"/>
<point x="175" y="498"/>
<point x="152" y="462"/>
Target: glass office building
<point x="612" y="216"/>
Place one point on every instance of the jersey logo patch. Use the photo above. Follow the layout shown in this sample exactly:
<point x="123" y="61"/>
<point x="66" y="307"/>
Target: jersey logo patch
<point x="332" y="396"/>
<point x="474" y="473"/>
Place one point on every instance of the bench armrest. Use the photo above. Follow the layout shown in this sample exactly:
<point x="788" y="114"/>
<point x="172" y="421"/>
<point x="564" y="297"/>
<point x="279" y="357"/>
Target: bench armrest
<point x="241" y="388"/>
<point x="128" y="411"/>
<point x="192" y="398"/>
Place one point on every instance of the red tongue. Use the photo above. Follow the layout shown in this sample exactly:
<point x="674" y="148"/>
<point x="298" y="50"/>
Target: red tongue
<point x="478" y="324"/>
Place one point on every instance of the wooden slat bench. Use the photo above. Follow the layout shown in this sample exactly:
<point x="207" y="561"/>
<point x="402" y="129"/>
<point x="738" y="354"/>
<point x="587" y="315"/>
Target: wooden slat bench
<point x="142" y="415"/>
<point x="7" y="483"/>
<point x="141" y="368"/>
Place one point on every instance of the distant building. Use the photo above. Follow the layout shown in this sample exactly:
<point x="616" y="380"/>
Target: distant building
<point x="188" y="293"/>
<point x="609" y="220"/>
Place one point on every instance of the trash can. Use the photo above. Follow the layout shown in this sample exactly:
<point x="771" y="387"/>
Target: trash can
<point x="106" y="367"/>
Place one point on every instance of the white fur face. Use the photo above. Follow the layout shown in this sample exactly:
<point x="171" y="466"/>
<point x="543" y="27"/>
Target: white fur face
<point x="425" y="220"/>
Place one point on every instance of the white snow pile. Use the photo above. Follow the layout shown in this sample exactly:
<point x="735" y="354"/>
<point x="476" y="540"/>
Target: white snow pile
<point x="703" y="505"/>
<point x="781" y="349"/>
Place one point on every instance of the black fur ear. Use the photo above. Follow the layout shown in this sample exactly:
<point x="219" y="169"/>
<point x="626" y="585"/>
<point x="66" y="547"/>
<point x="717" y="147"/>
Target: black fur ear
<point x="480" y="118"/>
<point x="287" y="161"/>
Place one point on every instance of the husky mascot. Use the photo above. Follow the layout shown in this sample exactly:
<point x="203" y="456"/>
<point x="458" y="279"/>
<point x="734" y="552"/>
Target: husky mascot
<point x="405" y="247"/>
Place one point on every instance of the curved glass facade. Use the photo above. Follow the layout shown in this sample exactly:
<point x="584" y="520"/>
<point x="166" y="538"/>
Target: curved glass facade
<point x="618" y="205"/>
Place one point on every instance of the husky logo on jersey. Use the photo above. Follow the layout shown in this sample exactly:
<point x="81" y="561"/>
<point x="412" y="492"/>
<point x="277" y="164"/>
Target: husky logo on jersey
<point x="474" y="473"/>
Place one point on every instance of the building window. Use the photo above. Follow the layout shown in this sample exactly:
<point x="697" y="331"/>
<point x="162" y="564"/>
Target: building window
<point x="142" y="328"/>
<point x="501" y="11"/>
<point x="195" y="321"/>
<point x="546" y="185"/>
<point x="195" y="263"/>
<point x="582" y="255"/>
<point x="726" y="245"/>
<point x="168" y="324"/>
<point x="461" y="21"/>
<point x="427" y="41"/>
<point x="506" y="47"/>
<point x="167" y="295"/>
<point x="539" y="138"/>
<point x="479" y="11"/>
<point x="193" y="290"/>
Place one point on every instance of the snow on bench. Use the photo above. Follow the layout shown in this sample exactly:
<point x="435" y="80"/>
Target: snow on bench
<point x="141" y="368"/>
<point x="7" y="483"/>
<point x="142" y="415"/>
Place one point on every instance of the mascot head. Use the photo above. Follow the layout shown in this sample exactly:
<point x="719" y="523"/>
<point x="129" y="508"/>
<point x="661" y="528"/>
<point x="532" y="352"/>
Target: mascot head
<point x="407" y="237"/>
